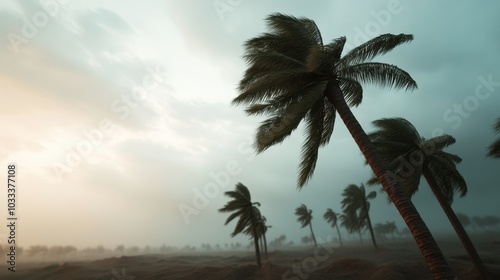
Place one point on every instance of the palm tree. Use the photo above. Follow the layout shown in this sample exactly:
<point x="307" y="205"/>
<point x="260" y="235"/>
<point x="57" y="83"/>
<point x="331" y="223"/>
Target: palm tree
<point x="244" y="209"/>
<point x="261" y="232"/>
<point x="494" y="149"/>
<point x="332" y="219"/>
<point x="293" y="76"/>
<point x="464" y="219"/>
<point x="356" y="199"/>
<point x="304" y="218"/>
<point x="352" y="223"/>
<point x="391" y="228"/>
<point x="411" y="157"/>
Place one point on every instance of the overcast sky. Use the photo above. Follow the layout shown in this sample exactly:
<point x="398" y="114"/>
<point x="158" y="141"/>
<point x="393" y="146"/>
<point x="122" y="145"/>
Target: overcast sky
<point x="118" y="115"/>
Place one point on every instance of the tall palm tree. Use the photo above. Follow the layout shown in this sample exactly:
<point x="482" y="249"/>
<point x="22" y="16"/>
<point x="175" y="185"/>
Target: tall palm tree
<point x="356" y="201"/>
<point x="247" y="213"/>
<point x="293" y="76"/>
<point x="494" y="149"/>
<point x="304" y="218"/>
<point x="332" y="218"/>
<point x="411" y="157"/>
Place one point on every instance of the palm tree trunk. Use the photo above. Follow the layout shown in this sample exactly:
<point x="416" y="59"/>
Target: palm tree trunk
<point x="260" y="244"/>
<point x="312" y="233"/>
<point x="425" y="241"/>
<point x="340" y="237"/>
<point x="368" y="220"/>
<point x="255" y="240"/>
<point x="457" y="225"/>
<point x="360" y="239"/>
<point x="265" y="245"/>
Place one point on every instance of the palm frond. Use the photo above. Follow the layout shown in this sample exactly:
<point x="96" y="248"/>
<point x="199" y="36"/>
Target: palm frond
<point x="376" y="46"/>
<point x="275" y="129"/>
<point x="381" y="74"/>
<point x="438" y="143"/>
<point x="314" y="134"/>
<point x="494" y="149"/>
<point x="244" y="191"/>
<point x="396" y="130"/>
<point x="352" y="90"/>
<point x="272" y="85"/>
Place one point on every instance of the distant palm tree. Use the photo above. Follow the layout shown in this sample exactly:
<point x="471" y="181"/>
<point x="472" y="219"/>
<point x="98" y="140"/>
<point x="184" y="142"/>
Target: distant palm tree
<point x="304" y="218"/>
<point x="464" y="219"/>
<point x="244" y="209"/>
<point x="387" y="228"/>
<point x="391" y="228"/>
<point x="411" y="157"/>
<point x="494" y="149"/>
<point x="356" y="201"/>
<point x="332" y="218"/>
<point x="293" y="76"/>
<point x="352" y="223"/>
<point x="261" y="232"/>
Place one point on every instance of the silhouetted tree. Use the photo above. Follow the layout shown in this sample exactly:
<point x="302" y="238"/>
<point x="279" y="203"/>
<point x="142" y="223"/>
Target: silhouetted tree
<point x="411" y="157"/>
<point x="293" y="76"/>
<point x="356" y="201"/>
<point x="304" y="218"/>
<point x="243" y="208"/>
<point x="332" y="218"/>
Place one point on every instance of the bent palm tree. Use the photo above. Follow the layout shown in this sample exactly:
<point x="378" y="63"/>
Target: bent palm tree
<point x="356" y="201"/>
<point x="261" y="229"/>
<point x="411" y="157"/>
<point x="304" y="218"/>
<point x="294" y="76"/>
<point x="332" y="219"/>
<point x="352" y="223"/>
<point x="244" y="209"/>
<point x="494" y="149"/>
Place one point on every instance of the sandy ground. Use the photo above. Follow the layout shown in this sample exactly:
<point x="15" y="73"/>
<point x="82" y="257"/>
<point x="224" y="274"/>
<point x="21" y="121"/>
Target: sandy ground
<point x="395" y="260"/>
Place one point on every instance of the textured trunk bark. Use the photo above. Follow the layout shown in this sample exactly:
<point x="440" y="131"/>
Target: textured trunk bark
<point x="425" y="241"/>
<point x="459" y="229"/>
<point x="340" y="237"/>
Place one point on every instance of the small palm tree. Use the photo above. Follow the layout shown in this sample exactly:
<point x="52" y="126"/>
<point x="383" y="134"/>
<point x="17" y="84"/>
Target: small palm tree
<point x="304" y="218"/>
<point x="411" y="157"/>
<point x="391" y="228"/>
<point x="352" y="223"/>
<point x="464" y="219"/>
<point x="247" y="213"/>
<point x="332" y="218"/>
<point x="294" y="76"/>
<point x="494" y="149"/>
<point x="356" y="199"/>
<point x="261" y="232"/>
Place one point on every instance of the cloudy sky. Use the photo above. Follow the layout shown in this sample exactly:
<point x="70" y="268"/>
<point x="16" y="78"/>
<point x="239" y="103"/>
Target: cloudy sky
<point x="118" y="115"/>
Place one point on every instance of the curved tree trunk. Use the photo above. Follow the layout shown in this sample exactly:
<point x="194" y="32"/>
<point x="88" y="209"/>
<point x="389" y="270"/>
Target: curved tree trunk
<point x="255" y="239"/>
<point x="312" y="233"/>
<point x="340" y="237"/>
<point x="457" y="226"/>
<point x="425" y="241"/>
<point x="368" y="220"/>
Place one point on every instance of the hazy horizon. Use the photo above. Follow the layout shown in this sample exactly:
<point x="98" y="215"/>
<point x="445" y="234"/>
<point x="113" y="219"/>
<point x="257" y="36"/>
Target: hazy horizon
<point x="119" y="114"/>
